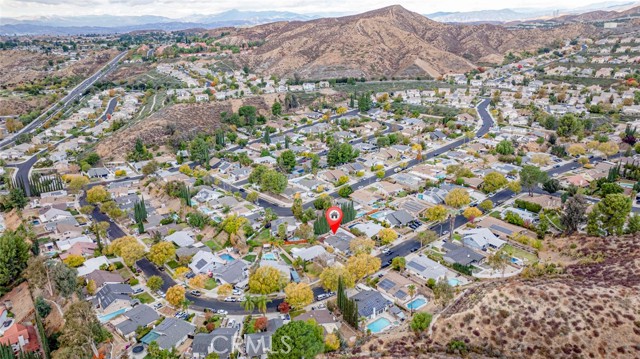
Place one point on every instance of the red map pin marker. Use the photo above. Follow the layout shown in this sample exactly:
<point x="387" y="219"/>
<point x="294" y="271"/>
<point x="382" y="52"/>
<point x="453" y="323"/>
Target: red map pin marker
<point x="334" y="218"/>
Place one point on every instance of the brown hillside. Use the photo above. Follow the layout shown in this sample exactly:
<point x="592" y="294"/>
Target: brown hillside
<point x="391" y="41"/>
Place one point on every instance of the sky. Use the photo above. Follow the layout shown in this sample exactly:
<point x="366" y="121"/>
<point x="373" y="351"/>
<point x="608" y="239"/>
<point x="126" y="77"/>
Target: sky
<point x="182" y="8"/>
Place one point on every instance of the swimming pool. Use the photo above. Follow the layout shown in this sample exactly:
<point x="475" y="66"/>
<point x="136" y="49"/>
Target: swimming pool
<point x="379" y="325"/>
<point x="227" y="257"/>
<point x="107" y="317"/>
<point x="379" y="215"/>
<point x="269" y="257"/>
<point x="453" y="282"/>
<point x="416" y="303"/>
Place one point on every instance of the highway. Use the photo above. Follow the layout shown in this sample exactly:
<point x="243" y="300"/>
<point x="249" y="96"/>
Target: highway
<point x="23" y="168"/>
<point x="64" y="102"/>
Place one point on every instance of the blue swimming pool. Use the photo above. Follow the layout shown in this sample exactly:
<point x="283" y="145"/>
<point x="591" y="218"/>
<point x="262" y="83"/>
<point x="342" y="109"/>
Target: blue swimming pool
<point x="227" y="257"/>
<point x="453" y="282"/>
<point x="379" y="215"/>
<point x="269" y="257"/>
<point x="107" y="317"/>
<point x="378" y="325"/>
<point x="416" y="303"/>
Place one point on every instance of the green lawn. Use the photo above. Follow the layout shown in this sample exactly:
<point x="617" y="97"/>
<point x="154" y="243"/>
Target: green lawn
<point x="173" y="264"/>
<point x="213" y="245"/>
<point x="285" y="259"/>
<point x="263" y="236"/>
<point x="296" y="313"/>
<point x="125" y="273"/>
<point x="144" y="298"/>
<point x="519" y="253"/>
<point x="250" y="257"/>
<point x="210" y="284"/>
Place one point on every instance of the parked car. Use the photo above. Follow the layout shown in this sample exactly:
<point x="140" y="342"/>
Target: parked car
<point x="189" y="275"/>
<point x="237" y="292"/>
<point x="229" y="299"/>
<point x="222" y="311"/>
<point x="161" y="294"/>
<point x="157" y="306"/>
<point x="138" y="291"/>
<point x="196" y="293"/>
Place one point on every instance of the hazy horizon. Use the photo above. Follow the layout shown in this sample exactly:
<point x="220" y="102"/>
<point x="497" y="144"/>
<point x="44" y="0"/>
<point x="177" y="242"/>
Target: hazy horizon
<point x="29" y="9"/>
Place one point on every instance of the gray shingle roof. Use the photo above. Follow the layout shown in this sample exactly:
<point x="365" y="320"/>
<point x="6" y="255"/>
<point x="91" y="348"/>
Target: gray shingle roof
<point x="221" y="338"/>
<point x="462" y="255"/>
<point x="399" y="218"/>
<point x="112" y="292"/>
<point x="141" y="315"/>
<point x="172" y="331"/>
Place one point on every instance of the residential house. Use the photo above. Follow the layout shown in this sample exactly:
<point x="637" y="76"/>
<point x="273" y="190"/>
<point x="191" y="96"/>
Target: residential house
<point x="259" y="344"/>
<point x="181" y="238"/>
<point x="399" y="218"/>
<point x="80" y="249"/>
<point x="99" y="172"/>
<point x="340" y="241"/>
<point x="371" y="303"/>
<point x="205" y="262"/>
<point x="288" y="222"/>
<point x="91" y="265"/>
<point x="220" y="341"/>
<point x="66" y="244"/>
<point x="481" y="239"/>
<point x="113" y="297"/>
<point x="310" y="253"/>
<point x="426" y="268"/>
<point x="395" y="285"/>
<point x="323" y="317"/>
<point x="102" y="277"/>
<point x="233" y="273"/>
<point x="54" y="215"/>
<point x="20" y="337"/>
<point x="461" y="255"/>
<point x="140" y="316"/>
<point x="170" y="333"/>
<point x="332" y="175"/>
<point x="370" y="229"/>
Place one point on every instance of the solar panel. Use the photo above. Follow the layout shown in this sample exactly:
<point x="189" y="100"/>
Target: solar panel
<point x="416" y="266"/>
<point x="386" y="284"/>
<point x="501" y="229"/>
<point x="400" y="294"/>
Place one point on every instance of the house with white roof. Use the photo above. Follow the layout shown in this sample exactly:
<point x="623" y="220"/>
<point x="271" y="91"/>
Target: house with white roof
<point x="481" y="239"/>
<point x="181" y="238"/>
<point x="91" y="265"/>
<point x="204" y="262"/>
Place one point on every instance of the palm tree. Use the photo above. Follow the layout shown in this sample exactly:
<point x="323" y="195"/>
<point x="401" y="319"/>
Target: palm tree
<point x="249" y="304"/>
<point x="185" y="305"/>
<point x="412" y="292"/>
<point x="261" y="302"/>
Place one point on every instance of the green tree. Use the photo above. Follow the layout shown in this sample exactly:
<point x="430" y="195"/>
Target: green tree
<point x="443" y="292"/>
<point x="569" y="125"/>
<point x="65" y="279"/>
<point x="287" y="161"/>
<point x="608" y="216"/>
<point x="530" y="177"/>
<point x="551" y="185"/>
<point x="14" y="255"/>
<point x="199" y="150"/>
<point x="493" y="181"/>
<point x="398" y="263"/>
<point x="273" y="181"/>
<point x="297" y="339"/>
<point x="486" y="205"/>
<point x="420" y="322"/>
<point x="505" y="147"/>
<point x="345" y="191"/>
<point x="155" y="283"/>
<point x="276" y="108"/>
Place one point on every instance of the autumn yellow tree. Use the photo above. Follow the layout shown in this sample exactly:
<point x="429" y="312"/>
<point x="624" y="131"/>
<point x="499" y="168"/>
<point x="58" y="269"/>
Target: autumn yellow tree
<point x="362" y="245"/>
<point x="436" y="213"/>
<point x="298" y="295"/>
<point x="132" y="252"/>
<point x="514" y="186"/>
<point x="266" y="280"/>
<point x="74" y="260"/>
<point x="493" y="181"/>
<point x="91" y="287"/>
<point x="175" y="295"/>
<point x="387" y="235"/>
<point x="457" y="198"/>
<point x="471" y="213"/>
<point x="608" y="148"/>
<point x="576" y="149"/>
<point x="362" y="265"/>
<point x="180" y="272"/>
<point x="341" y="110"/>
<point x="331" y="342"/>
<point x="225" y="289"/>
<point x="162" y="252"/>
<point x="77" y="182"/>
<point x="541" y="159"/>
<point x="198" y="281"/>
<point x="97" y="194"/>
<point x="330" y="275"/>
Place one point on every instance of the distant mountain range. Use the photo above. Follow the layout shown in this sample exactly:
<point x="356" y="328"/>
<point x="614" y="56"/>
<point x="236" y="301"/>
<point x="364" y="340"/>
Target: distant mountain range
<point x="508" y="15"/>
<point x="105" y="24"/>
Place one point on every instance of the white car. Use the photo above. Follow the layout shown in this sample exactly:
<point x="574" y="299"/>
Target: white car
<point x="237" y="292"/>
<point x="222" y="311"/>
<point x="229" y="299"/>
